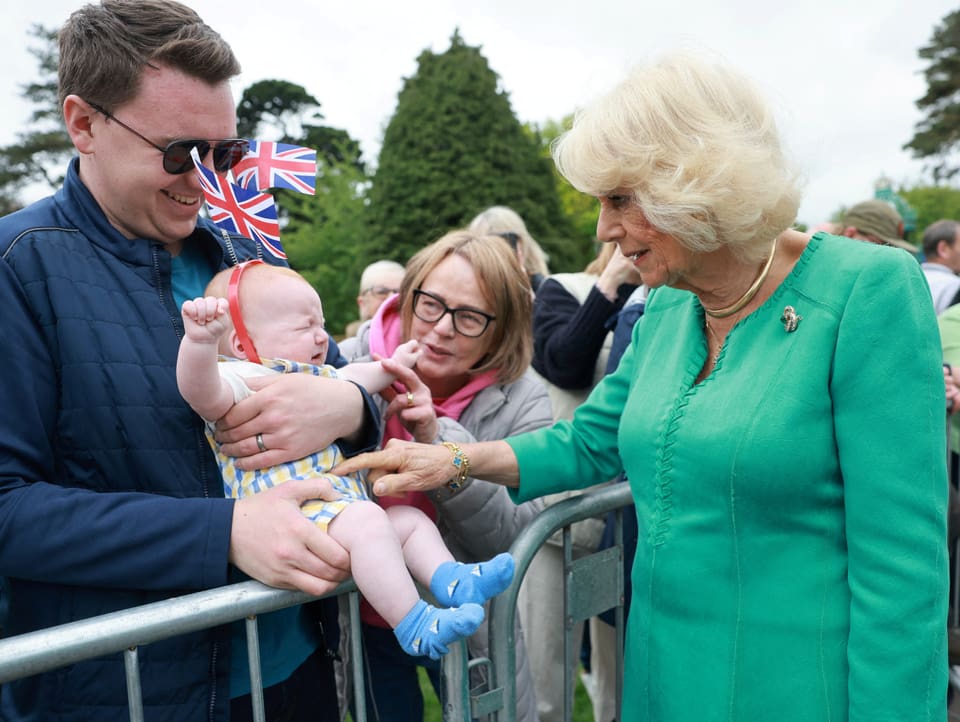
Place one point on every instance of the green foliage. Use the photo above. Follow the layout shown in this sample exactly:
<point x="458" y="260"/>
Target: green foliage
<point x="46" y="145"/>
<point x="580" y="209"/>
<point x="937" y="135"/>
<point x="320" y="238"/>
<point x="931" y="203"/>
<point x="452" y="148"/>
<point x="318" y="232"/>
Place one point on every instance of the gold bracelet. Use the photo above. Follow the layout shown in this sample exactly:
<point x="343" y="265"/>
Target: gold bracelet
<point x="461" y="463"/>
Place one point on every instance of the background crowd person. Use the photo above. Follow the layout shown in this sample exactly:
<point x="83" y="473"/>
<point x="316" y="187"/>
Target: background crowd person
<point x="380" y="280"/>
<point x="574" y="314"/>
<point x="785" y="460"/>
<point x="941" y="263"/>
<point x="109" y="495"/>
<point x="507" y="223"/>
<point x="878" y="222"/>
<point x="467" y="302"/>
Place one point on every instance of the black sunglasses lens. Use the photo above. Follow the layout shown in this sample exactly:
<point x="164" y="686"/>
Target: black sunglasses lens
<point x="176" y="158"/>
<point x="228" y="153"/>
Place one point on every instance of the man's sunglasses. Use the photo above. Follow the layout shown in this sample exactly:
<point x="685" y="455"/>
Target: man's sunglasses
<point x="176" y="156"/>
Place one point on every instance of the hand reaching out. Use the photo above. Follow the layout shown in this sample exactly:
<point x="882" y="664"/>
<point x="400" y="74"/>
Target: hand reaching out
<point x="619" y="270"/>
<point x="408" y="353"/>
<point x="205" y="320"/>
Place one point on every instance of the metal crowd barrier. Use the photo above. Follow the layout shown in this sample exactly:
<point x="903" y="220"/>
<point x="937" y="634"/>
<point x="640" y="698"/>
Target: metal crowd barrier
<point x="592" y="584"/>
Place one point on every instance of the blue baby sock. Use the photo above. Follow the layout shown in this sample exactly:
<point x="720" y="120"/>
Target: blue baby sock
<point x="427" y="630"/>
<point x="454" y="583"/>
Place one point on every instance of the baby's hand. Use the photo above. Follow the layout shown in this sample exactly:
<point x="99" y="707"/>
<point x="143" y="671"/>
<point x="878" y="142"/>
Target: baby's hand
<point x="407" y="353"/>
<point x="205" y="319"/>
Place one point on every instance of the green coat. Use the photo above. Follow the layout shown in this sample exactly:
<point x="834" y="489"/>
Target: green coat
<point x="792" y="554"/>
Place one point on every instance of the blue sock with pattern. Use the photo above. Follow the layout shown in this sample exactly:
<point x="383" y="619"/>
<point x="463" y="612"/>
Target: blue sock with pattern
<point x="454" y="583"/>
<point x="427" y="630"/>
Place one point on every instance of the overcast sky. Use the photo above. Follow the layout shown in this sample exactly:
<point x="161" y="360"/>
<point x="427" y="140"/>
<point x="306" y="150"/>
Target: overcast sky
<point x="844" y="75"/>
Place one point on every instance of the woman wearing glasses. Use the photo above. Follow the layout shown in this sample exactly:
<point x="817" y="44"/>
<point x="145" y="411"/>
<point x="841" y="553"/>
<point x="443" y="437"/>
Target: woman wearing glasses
<point x="468" y="303"/>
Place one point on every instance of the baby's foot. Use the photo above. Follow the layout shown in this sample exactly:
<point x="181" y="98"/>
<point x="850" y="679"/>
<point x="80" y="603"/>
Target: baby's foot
<point x="427" y="630"/>
<point x="454" y="583"/>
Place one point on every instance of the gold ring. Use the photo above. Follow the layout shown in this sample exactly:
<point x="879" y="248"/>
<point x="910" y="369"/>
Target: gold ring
<point x="260" y="444"/>
<point x="409" y="399"/>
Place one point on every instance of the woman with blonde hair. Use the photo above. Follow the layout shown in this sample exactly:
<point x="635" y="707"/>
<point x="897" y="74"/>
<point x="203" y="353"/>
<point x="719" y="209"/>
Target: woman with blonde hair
<point x="467" y="302"/>
<point x="507" y="224"/>
<point x="787" y="461"/>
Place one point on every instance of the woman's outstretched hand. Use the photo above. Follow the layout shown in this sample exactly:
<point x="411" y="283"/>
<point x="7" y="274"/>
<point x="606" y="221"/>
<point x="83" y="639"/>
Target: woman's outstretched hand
<point x="403" y="466"/>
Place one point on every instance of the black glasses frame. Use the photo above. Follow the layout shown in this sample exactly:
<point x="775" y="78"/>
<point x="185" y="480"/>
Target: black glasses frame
<point x="417" y="293"/>
<point x="176" y="155"/>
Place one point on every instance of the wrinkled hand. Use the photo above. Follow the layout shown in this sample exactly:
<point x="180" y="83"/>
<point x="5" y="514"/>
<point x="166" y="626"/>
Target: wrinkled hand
<point x="403" y="466"/>
<point x="205" y="320"/>
<point x="296" y="415"/>
<point x="418" y="416"/>
<point x="273" y="542"/>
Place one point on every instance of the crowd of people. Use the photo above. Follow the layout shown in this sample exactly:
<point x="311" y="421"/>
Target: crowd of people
<point x="176" y="417"/>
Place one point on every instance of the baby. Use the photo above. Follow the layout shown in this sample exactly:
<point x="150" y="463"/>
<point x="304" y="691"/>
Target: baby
<point x="282" y="322"/>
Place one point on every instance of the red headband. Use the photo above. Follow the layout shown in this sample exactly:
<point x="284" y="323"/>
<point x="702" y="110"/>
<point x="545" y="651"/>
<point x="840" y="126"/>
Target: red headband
<point x="233" y="298"/>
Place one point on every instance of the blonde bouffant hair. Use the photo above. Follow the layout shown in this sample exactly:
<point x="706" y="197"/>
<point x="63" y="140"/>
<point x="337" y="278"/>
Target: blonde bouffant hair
<point x="698" y="145"/>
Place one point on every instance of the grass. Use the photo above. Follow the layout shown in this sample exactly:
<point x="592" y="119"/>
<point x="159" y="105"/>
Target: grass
<point x="582" y="710"/>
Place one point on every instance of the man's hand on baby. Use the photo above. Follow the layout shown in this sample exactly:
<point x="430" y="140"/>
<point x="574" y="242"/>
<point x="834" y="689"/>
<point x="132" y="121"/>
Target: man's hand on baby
<point x="205" y="320"/>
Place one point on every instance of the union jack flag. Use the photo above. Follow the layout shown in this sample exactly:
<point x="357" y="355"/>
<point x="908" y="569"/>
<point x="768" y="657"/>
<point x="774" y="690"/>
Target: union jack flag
<point x="238" y="210"/>
<point x="277" y="165"/>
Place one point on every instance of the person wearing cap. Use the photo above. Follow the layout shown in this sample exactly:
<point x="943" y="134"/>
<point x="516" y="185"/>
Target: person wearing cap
<point x="878" y="222"/>
<point x="941" y="263"/>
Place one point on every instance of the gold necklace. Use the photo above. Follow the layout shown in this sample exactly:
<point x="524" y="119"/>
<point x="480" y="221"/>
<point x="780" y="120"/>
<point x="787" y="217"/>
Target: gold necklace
<point x="751" y="292"/>
<point x="716" y="354"/>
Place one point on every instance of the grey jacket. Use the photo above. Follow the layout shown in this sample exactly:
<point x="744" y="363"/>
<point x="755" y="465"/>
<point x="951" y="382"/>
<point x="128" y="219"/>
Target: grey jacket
<point x="480" y="520"/>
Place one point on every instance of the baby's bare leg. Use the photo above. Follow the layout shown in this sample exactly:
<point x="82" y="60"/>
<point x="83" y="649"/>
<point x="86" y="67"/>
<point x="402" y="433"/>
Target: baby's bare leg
<point x="378" y="568"/>
<point x="431" y="563"/>
<point x="376" y="559"/>
<point x="423" y="547"/>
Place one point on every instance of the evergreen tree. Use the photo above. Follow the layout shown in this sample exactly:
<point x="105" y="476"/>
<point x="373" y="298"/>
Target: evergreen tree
<point x="40" y="153"/>
<point x="452" y="148"/>
<point x="318" y="232"/>
<point x="938" y="134"/>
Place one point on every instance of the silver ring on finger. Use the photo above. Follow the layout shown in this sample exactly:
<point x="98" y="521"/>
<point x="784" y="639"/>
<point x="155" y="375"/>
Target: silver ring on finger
<point x="260" y="444"/>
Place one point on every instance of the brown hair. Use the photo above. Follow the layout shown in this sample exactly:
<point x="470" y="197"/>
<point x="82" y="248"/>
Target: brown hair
<point x="504" y="286"/>
<point x="105" y="47"/>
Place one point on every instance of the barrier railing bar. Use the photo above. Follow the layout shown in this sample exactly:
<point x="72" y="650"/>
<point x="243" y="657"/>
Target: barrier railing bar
<point x="131" y="664"/>
<point x="46" y="649"/>
<point x="503" y="606"/>
<point x="253" y="659"/>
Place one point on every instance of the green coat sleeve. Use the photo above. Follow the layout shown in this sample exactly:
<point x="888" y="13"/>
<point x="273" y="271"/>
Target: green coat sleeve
<point x="889" y="416"/>
<point x="579" y="453"/>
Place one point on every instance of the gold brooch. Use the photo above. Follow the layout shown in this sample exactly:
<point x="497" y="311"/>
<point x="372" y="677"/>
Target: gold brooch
<point x="790" y="319"/>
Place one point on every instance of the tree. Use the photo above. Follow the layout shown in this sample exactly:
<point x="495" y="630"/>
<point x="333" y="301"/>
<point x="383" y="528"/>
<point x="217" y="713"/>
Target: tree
<point x="937" y="135"/>
<point x="452" y="148"/>
<point x="931" y="203"/>
<point x="581" y="210"/>
<point x="46" y="145"/>
<point x="319" y="232"/>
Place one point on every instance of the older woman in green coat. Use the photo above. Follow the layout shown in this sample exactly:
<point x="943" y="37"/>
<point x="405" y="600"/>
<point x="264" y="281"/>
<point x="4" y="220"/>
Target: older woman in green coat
<point x="779" y="416"/>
